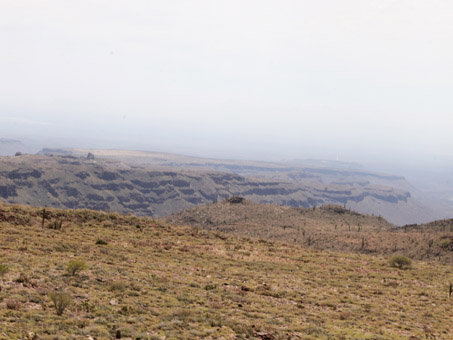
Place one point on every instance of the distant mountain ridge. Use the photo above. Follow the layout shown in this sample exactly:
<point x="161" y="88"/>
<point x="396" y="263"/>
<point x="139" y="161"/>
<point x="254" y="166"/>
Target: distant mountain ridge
<point x="9" y="141"/>
<point x="10" y="146"/>
<point x="151" y="184"/>
<point x="309" y="173"/>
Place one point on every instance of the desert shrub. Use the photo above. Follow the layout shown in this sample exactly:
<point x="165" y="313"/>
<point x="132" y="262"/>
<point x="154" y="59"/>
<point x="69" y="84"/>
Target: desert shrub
<point x="107" y="224"/>
<point x="400" y="262"/>
<point x="23" y="278"/>
<point x="60" y="300"/>
<point x="344" y="315"/>
<point x="210" y="287"/>
<point x="3" y="269"/>
<point x="67" y="247"/>
<point x="13" y="304"/>
<point x="445" y="243"/>
<point x="101" y="242"/>
<point x="183" y="315"/>
<point x="75" y="266"/>
<point x="86" y="306"/>
<point x="117" y="286"/>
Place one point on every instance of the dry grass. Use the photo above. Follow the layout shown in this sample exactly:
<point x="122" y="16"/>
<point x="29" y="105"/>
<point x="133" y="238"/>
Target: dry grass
<point x="166" y="282"/>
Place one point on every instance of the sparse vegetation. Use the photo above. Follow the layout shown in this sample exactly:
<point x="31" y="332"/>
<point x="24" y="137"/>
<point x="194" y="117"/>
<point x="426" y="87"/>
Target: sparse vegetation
<point x="176" y="283"/>
<point x="328" y="227"/>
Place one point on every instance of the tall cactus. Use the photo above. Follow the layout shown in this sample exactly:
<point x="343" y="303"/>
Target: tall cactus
<point x="43" y="217"/>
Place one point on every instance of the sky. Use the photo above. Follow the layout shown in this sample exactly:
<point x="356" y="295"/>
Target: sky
<point x="354" y="80"/>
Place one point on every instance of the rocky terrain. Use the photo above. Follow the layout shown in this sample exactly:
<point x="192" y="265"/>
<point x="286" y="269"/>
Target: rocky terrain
<point x="66" y="179"/>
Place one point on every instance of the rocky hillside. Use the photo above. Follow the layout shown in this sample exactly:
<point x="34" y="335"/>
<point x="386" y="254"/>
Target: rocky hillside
<point x="328" y="227"/>
<point x="98" y="275"/>
<point x="67" y="181"/>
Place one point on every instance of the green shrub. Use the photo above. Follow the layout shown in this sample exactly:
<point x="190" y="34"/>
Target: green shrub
<point x="101" y="242"/>
<point x="3" y="269"/>
<point x="400" y="262"/>
<point x="444" y="243"/>
<point x="75" y="266"/>
<point x="60" y="300"/>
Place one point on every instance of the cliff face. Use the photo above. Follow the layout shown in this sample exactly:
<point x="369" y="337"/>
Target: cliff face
<point x="65" y="181"/>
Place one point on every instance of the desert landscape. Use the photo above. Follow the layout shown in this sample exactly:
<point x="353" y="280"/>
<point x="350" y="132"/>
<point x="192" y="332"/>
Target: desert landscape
<point x="83" y="274"/>
<point x="226" y="170"/>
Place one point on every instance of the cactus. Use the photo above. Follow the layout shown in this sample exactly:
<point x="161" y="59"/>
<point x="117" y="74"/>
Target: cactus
<point x="57" y="224"/>
<point x="43" y="217"/>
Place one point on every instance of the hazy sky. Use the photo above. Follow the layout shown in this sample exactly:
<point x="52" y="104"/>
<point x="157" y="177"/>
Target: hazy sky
<point x="350" y="78"/>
